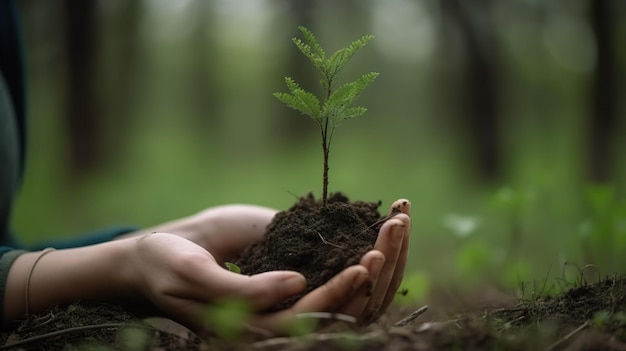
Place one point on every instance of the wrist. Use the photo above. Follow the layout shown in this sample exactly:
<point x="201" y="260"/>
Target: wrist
<point x="64" y="276"/>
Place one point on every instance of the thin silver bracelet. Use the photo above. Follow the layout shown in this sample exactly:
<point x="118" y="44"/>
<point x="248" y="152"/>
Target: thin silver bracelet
<point x="30" y="273"/>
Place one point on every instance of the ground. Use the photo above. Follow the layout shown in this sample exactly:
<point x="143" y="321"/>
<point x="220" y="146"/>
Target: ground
<point x="585" y="317"/>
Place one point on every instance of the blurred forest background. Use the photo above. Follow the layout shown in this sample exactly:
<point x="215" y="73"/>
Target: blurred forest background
<point x="502" y="121"/>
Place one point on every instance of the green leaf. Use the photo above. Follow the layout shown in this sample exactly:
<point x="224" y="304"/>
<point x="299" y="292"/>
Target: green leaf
<point x="227" y="318"/>
<point x="338" y="106"/>
<point x="338" y="60"/>
<point x="311" y="49"/>
<point x="300" y="99"/>
<point x="352" y="112"/>
<point x="232" y="267"/>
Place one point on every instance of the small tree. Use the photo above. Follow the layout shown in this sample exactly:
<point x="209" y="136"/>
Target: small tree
<point x="338" y="103"/>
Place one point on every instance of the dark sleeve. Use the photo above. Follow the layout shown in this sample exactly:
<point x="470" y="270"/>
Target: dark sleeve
<point x="12" y="66"/>
<point x="7" y="257"/>
<point x="12" y="73"/>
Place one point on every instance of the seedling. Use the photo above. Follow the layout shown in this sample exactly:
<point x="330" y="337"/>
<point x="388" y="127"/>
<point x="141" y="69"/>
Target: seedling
<point x="232" y="267"/>
<point x="338" y="101"/>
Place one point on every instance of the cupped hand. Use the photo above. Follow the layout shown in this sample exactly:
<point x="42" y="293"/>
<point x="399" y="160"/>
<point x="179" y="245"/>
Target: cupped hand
<point x="180" y="274"/>
<point x="181" y="278"/>
<point x="362" y="291"/>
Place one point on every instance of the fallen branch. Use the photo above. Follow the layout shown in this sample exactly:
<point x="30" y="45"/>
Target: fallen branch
<point x="408" y="319"/>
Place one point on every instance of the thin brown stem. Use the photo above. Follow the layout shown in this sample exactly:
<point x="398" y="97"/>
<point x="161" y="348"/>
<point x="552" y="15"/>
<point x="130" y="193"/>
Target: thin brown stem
<point x="326" y="145"/>
<point x="408" y="319"/>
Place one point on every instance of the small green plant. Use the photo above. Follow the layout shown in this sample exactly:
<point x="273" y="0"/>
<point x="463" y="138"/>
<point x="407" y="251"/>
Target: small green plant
<point x="232" y="267"/>
<point x="338" y="101"/>
<point x="227" y="318"/>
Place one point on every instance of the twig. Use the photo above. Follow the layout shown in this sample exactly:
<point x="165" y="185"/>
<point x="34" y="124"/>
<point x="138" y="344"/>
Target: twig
<point x="567" y="337"/>
<point x="56" y="333"/>
<point x="393" y="213"/>
<point x="328" y="242"/>
<point x="327" y="315"/>
<point x="408" y="319"/>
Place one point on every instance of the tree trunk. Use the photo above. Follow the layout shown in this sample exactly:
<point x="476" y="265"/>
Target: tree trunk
<point x="81" y="121"/>
<point x="478" y="115"/>
<point x="603" y="109"/>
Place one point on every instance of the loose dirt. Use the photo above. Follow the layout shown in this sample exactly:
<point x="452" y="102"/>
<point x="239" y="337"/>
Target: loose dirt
<point x="317" y="241"/>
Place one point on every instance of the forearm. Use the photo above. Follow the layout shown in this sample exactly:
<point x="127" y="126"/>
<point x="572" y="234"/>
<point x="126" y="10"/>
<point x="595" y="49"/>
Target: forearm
<point x="224" y="230"/>
<point x="94" y="272"/>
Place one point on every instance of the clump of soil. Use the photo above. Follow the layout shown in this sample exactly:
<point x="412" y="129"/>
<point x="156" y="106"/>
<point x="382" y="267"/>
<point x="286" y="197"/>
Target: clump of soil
<point x="602" y="303"/>
<point x="87" y="326"/>
<point x="317" y="241"/>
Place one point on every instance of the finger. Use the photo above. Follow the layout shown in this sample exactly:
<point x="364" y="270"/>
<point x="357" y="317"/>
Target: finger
<point x="373" y="261"/>
<point x="400" y="206"/>
<point x="268" y="289"/>
<point x="389" y="242"/>
<point x="204" y="280"/>
<point x="258" y="292"/>
<point x="326" y="298"/>
<point x="399" y="270"/>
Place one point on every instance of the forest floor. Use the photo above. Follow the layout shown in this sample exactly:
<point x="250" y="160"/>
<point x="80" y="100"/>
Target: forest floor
<point x="585" y="317"/>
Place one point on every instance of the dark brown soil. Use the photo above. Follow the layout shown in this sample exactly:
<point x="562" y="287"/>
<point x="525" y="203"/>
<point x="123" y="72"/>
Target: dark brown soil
<point x="317" y="241"/>
<point x="586" y="317"/>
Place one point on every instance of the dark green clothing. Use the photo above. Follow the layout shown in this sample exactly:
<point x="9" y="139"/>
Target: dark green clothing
<point x="12" y="147"/>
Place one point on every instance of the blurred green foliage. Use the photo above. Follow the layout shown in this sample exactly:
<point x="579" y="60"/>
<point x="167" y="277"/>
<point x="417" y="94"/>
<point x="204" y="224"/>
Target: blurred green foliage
<point x="200" y="128"/>
<point x="227" y="318"/>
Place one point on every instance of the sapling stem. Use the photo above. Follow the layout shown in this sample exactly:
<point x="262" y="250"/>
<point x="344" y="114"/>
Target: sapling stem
<point x="326" y="150"/>
<point x="338" y="103"/>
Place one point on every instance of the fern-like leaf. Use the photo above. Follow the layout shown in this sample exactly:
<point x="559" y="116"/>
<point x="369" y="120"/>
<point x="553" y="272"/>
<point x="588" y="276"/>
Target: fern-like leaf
<point x="341" y="100"/>
<point x="312" y="41"/>
<point x="354" y="111"/>
<point x="300" y="99"/>
<point x="340" y="58"/>
<point x="312" y="50"/>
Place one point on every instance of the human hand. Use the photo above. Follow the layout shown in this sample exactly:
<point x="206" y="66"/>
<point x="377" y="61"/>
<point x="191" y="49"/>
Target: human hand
<point x="180" y="277"/>
<point x="231" y="228"/>
<point x="362" y="291"/>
